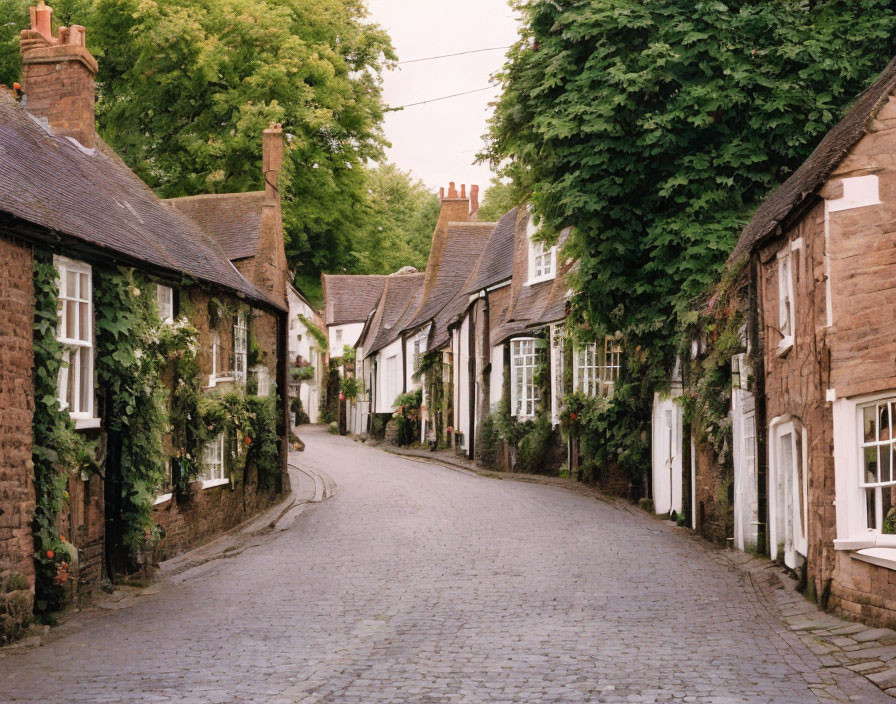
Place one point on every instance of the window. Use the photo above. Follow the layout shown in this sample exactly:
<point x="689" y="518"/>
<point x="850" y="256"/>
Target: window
<point x="558" y="371"/>
<point x="213" y="462"/>
<point x="785" y="300"/>
<point x="524" y="391"/>
<point x="75" y="332"/>
<point x="542" y="259"/>
<point x="878" y="476"/>
<point x="417" y="353"/>
<point x="240" y="347"/>
<point x="338" y="335"/>
<point x="165" y="298"/>
<point x="596" y="369"/>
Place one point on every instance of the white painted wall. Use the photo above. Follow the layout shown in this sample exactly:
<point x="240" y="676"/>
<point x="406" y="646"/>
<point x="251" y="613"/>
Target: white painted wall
<point x="304" y="344"/>
<point x="666" y="435"/>
<point x="389" y="380"/>
<point x="462" y="382"/>
<point x="350" y="333"/>
<point x="746" y="477"/>
<point x="496" y="379"/>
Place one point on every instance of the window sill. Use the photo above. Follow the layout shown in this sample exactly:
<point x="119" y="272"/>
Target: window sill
<point x="541" y="279"/>
<point x="162" y="498"/>
<point x="784" y="347"/>
<point x="868" y="541"/>
<point x="209" y="483"/>
<point x="882" y="557"/>
<point x="86" y="423"/>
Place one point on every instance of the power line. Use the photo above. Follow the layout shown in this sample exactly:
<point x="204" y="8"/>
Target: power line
<point x="446" y="56"/>
<point x="444" y="97"/>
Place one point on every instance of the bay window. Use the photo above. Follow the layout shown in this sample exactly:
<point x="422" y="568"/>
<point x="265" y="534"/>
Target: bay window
<point x="75" y="388"/>
<point x="523" y="366"/>
<point x="878" y="477"/>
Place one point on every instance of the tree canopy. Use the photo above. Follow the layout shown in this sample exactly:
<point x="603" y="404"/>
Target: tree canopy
<point x="500" y="197"/>
<point x="655" y="129"/>
<point x="398" y="229"/>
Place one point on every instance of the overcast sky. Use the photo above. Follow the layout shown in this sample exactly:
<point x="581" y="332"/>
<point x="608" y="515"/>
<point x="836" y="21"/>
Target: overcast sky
<point x="439" y="141"/>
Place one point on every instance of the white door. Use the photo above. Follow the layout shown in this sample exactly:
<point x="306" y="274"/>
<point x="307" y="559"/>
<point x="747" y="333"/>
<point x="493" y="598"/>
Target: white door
<point x="788" y="512"/>
<point x="666" y="455"/>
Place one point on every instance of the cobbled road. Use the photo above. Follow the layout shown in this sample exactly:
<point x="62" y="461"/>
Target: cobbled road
<point x="417" y="583"/>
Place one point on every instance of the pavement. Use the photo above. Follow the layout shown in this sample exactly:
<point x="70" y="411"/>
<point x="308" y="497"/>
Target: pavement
<point x="420" y="583"/>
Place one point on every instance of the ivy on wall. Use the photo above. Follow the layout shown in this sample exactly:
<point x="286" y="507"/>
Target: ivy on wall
<point x="58" y="450"/>
<point x="132" y="349"/>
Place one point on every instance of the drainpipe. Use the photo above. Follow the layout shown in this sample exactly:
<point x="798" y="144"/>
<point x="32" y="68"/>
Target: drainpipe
<point x="471" y="365"/>
<point x="755" y="335"/>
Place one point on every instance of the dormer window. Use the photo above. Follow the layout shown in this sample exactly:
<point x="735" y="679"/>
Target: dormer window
<point x="542" y="258"/>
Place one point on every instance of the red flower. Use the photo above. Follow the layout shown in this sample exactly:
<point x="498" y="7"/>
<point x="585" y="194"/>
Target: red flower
<point x="248" y="440"/>
<point x="50" y="554"/>
<point x="572" y="416"/>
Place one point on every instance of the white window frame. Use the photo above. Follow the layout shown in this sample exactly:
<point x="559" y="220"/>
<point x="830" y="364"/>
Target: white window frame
<point x="165" y="299"/>
<point x="214" y="470"/>
<point x="853" y="532"/>
<point x="393" y="386"/>
<point x="82" y="408"/>
<point x="523" y="364"/>
<point x="786" y="303"/>
<point x="542" y="259"/>
<point x="596" y="371"/>
<point x="558" y="370"/>
<point x="240" y="347"/>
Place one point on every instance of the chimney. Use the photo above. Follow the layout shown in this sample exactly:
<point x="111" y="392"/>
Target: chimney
<point x="474" y="202"/>
<point x="270" y="271"/>
<point x="272" y="160"/>
<point x="58" y="76"/>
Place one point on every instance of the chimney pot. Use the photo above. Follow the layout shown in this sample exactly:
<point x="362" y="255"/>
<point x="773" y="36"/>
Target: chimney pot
<point x="442" y="193"/>
<point x="474" y="198"/>
<point x="40" y="20"/>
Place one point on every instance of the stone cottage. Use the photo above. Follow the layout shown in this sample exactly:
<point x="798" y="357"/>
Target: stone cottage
<point x="815" y="439"/>
<point x="70" y="204"/>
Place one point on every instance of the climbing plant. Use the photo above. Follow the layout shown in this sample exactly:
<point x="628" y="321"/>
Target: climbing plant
<point x="132" y="347"/>
<point x="57" y="449"/>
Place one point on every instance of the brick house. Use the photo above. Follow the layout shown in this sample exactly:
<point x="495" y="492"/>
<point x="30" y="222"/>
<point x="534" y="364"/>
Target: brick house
<point x="814" y="396"/>
<point x="67" y="198"/>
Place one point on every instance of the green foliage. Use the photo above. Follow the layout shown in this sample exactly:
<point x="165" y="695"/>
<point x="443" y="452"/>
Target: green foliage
<point x="350" y="387"/>
<point x="397" y="230"/>
<point x="15" y="18"/>
<point x="301" y="373"/>
<point x="320" y="337"/>
<point x="263" y="445"/>
<point x="534" y="445"/>
<point x="58" y="450"/>
<point x="132" y="350"/>
<point x="188" y="434"/>
<point x="299" y="411"/>
<point x="407" y="416"/>
<point x="490" y="444"/>
<point x="348" y="355"/>
<point x="499" y="198"/>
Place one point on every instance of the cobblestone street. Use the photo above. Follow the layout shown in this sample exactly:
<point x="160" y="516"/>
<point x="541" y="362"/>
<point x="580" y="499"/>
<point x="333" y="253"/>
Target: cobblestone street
<point x="418" y="583"/>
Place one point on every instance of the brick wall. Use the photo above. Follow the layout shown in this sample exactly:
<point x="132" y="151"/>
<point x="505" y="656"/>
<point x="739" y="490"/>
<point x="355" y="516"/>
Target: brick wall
<point x="712" y="494"/>
<point x="16" y="409"/>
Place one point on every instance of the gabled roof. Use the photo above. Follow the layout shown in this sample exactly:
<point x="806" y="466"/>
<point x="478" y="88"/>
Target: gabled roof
<point x="400" y="294"/>
<point x="816" y="170"/>
<point x="496" y="263"/>
<point x="233" y="219"/>
<point x="351" y="298"/>
<point x="446" y="277"/>
<point x="91" y="195"/>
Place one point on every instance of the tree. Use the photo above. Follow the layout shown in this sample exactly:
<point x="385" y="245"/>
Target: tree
<point x="500" y="197"/>
<point x="655" y="129"/>
<point x="185" y="88"/>
<point x="397" y="231"/>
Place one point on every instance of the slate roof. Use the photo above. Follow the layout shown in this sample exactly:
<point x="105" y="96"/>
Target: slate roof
<point x="351" y="298"/>
<point x="816" y="170"/>
<point x="233" y="219"/>
<point x="93" y="196"/>
<point x="445" y="278"/>
<point x="401" y="294"/>
<point x="496" y="263"/>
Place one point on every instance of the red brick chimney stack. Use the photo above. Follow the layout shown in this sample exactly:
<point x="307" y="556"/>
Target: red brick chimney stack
<point x="58" y="76"/>
<point x="474" y="201"/>
<point x="272" y="160"/>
